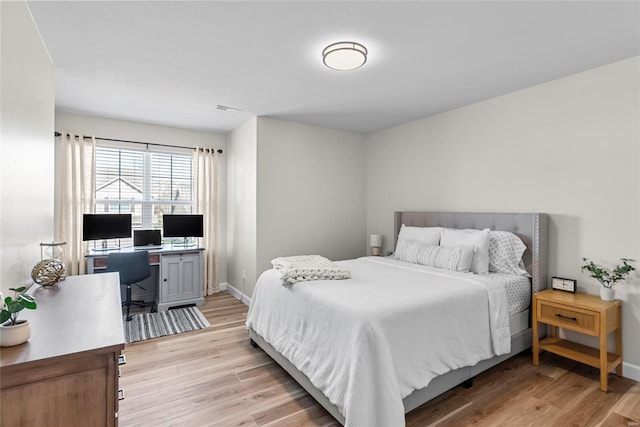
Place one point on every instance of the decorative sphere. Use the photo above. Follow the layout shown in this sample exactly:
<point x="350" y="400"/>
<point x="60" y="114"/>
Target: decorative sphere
<point x="49" y="272"/>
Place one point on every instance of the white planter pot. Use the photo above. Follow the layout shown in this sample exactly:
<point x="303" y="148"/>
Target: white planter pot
<point x="607" y="294"/>
<point x="16" y="334"/>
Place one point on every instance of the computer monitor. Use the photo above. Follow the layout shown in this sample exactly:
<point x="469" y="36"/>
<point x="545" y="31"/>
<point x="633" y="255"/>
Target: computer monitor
<point x="147" y="238"/>
<point x="106" y="226"/>
<point x="185" y="226"/>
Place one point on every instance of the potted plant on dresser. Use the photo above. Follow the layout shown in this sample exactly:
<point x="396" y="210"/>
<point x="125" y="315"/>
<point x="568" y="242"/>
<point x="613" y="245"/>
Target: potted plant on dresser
<point x="608" y="278"/>
<point x="12" y="330"/>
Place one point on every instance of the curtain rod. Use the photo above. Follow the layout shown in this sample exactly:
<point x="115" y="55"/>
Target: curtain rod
<point x="56" y="134"/>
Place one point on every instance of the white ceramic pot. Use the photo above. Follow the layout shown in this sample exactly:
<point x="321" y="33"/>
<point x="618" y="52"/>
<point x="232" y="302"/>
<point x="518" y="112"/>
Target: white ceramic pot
<point x="607" y="294"/>
<point x="16" y="334"/>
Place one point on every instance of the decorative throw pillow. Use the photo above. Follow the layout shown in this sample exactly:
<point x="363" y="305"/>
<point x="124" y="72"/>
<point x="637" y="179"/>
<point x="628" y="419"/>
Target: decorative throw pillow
<point x="455" y="258"/>
<point x="505" y="253"/>
<point x="404" y="250"/>
<point x="479" y="239"/>
<point x="425" y="235"/>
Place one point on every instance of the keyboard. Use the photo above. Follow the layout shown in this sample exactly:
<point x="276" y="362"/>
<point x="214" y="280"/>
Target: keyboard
<point x="147" y="248"/>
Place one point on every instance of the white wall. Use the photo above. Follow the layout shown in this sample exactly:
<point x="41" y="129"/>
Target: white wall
<point x="26" y="151"/>
<point x="241" y="207"/>
<point x="569" y="147"/>
<point x="134" y="131"/>
<point x="311" y="192"/>
<point x="293" y="189"/>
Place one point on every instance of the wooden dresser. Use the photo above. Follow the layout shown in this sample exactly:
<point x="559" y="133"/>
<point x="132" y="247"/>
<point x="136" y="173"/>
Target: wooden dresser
<point x="67" y="373"/>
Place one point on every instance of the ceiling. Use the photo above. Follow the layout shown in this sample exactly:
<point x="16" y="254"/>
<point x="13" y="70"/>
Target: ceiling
<point x="173" y="62"/>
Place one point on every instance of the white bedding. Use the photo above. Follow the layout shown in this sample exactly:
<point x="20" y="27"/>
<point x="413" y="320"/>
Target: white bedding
<point x="369" y="341"/>
<point x="518" y="289"/>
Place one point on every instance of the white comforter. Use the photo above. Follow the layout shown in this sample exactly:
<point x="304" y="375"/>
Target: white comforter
<point x="370" y="341"/>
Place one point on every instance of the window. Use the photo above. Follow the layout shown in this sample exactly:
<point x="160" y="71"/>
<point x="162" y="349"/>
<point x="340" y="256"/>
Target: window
<point x="144" y="183"/>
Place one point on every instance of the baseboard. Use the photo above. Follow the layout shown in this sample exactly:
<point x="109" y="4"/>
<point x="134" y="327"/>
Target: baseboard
<point x="235" y="293"/>
<point x="631" y="371"/>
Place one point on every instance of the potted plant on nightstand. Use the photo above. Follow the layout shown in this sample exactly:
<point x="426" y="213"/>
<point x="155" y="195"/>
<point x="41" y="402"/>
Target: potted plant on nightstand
<point x="608" y="278"/>
<point x="12" y="330"/>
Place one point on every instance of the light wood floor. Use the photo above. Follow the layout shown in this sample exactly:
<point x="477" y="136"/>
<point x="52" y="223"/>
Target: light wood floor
<point x="213" y="377"/>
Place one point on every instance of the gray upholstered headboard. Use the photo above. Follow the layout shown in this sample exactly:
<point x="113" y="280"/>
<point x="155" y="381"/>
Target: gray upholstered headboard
<point x="532" y="228"/>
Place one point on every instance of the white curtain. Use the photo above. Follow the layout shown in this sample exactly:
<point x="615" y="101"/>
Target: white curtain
<point x="74" y="170"/>
<point x="206" y="203"/>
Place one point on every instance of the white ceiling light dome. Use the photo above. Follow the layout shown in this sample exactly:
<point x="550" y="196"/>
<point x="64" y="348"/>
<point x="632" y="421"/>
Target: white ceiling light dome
<point x="344" y="56"/>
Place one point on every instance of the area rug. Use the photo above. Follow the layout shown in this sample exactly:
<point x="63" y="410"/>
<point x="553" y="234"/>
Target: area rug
<point x="145" y="326"/>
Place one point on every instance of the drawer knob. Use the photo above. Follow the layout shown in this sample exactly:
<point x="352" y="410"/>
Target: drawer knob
<point x="566" y="317"/>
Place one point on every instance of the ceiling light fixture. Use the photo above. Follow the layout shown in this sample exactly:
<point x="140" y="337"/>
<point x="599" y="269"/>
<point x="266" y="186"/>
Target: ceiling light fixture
<point x="344" y="56"/>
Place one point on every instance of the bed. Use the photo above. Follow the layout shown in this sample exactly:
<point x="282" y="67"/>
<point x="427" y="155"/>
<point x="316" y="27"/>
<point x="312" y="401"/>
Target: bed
<point x="373" y="369"/>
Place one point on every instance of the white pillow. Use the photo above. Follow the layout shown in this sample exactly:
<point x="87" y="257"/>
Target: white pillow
<point x="455" y="258"/>
<point x="426" y="235"/>
<point x="479" y="239"/>
<point x="505" y="253"/>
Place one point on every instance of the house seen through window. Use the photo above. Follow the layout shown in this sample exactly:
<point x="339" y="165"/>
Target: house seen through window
<point x="145" y="183"/>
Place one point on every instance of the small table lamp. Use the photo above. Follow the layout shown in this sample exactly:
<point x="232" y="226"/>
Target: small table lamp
<point x="375" y="241"/>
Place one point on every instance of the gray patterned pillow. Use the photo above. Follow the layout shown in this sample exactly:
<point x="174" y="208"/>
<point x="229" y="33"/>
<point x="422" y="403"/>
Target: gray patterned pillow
<point x="455" y="258"/>
<point x="505" y="253"/>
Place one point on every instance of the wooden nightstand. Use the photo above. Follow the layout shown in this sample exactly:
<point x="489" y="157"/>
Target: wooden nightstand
<point x="583" y="313"/>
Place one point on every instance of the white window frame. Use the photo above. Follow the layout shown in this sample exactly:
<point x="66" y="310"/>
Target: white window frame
<point x="146" y="203"/>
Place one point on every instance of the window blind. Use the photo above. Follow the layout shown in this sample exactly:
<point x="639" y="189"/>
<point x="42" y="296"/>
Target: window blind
<point x="145" y="183"/>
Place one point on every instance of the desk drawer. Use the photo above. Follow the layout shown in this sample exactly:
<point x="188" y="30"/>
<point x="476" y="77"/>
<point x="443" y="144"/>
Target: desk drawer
<point x="584" y="321"/>
<point x="101" y="262"/>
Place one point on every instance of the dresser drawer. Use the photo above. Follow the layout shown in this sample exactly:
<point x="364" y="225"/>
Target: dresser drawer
<point x="568" y="317"/>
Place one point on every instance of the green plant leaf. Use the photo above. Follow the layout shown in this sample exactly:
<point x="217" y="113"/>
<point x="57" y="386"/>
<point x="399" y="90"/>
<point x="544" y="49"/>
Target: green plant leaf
<point x="31" y="305"/>
<point x="4" y="316"/>
<point x="607" y="277"/>
<point x="15" y="306"/>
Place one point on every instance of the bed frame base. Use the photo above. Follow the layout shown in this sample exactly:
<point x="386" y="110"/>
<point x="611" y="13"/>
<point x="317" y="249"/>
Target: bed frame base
<point x="463" y="376"/>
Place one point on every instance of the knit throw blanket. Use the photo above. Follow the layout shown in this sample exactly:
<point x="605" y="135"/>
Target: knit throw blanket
<point x="308" y="267"/>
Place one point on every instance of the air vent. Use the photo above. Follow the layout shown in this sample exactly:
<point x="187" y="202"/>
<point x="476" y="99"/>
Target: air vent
<point x="226" y="108"/>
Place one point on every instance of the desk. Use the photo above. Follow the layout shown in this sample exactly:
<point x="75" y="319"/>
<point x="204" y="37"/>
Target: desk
<point x="66" y="374"/>
<point x="179" y="278"/>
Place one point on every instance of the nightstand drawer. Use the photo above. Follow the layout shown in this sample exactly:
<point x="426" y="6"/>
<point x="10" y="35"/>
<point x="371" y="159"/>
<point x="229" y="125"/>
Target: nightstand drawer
<point x="584" y="321"/>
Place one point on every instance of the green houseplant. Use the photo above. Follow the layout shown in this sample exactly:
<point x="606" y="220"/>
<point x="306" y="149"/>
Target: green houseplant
<point x="12" y="330"/>
<point x="608" y="278"/>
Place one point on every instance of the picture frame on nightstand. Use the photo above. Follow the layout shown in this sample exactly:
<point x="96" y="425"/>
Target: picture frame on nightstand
<point x="561" y="284"/>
